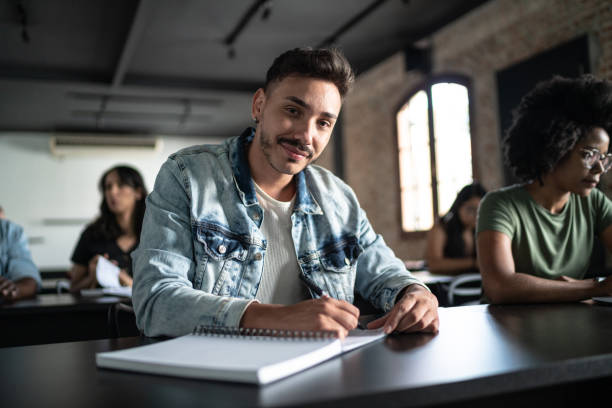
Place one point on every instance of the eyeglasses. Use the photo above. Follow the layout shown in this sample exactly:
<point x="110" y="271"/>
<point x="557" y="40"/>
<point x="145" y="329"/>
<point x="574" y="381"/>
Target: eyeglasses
<point x="591" y="157"/>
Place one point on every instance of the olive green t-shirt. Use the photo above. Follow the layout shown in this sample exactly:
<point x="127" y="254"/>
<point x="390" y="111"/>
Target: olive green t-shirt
<point x="545" y="244"/>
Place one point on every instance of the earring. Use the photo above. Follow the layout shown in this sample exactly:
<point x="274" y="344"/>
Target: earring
<point x="256" y="120"/>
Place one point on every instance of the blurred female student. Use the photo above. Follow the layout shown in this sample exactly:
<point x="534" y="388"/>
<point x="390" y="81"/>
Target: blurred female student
<point x="115" y="233"/>
<point x="451" y="245"/>
<point x="535" y="239"/>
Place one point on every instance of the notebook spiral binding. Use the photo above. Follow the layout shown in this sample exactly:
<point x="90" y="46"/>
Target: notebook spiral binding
<point x="220" y="331"/>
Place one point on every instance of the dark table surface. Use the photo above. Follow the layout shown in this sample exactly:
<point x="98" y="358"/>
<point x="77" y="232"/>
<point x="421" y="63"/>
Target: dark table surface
<point x="51" y="302"/>
<point x="50" y="318"/>
<point x="482" y="353"/>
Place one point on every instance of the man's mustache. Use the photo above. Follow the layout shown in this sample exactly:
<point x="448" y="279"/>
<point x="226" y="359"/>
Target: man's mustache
<point x="304" y="148"/>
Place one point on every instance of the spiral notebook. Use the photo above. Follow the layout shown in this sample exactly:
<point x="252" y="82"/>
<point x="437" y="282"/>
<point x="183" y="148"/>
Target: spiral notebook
<point x="251" y="356"/>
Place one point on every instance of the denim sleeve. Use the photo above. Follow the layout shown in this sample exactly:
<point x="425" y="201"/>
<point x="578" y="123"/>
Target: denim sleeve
<point x="165" y="302"/>
<point x="20" y="264"/>
<point x="380" y="274"/>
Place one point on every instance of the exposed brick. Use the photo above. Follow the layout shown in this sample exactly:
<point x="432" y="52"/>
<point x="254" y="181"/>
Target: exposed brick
<point x="492" y="37"/>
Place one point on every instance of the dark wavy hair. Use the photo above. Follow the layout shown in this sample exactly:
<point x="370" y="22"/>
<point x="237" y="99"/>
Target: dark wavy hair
<point x="551" y="118"/>
<point x="106" y="226"/>
<point x="451" y="222"/>
<point x="323" y="63"/>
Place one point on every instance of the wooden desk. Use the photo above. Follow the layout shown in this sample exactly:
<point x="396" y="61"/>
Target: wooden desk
<point x="546" y="355"/>
<point x="51" y="318"/>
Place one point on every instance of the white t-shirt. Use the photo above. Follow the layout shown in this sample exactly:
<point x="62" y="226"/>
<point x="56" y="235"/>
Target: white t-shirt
<point x="280" y="282"/>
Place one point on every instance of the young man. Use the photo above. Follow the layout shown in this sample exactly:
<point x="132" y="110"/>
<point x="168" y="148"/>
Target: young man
<point x="19" y="277"/>
<point x="249" y="234"/>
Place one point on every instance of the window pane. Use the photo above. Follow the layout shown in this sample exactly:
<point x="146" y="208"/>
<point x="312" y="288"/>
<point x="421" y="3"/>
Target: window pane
<point x="415" y="164"/>
<point x="452" y="141"/>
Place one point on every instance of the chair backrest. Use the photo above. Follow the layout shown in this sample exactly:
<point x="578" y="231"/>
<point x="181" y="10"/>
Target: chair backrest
<point x="62" y="285"/>
<point x="465" y="288"/>
<point x="122" y="320"/>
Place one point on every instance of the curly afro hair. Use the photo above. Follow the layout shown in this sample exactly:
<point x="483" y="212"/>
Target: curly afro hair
<point x="551" y="118"/>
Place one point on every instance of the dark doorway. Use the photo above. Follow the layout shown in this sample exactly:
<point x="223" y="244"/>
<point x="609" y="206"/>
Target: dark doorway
<point x="570" y="59"/>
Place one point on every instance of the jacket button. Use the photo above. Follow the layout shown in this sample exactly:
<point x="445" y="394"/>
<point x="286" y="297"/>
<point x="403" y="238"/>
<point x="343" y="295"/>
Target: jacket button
<point x="222" y="249"/>
<point x="258" y="256"/>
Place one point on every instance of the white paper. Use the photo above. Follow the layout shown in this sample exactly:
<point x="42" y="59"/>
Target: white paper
<point x="256" y="359"/>
<point x="123" y="291"/>
<point x="360" y="337"/>
<point x="107" y="273"/>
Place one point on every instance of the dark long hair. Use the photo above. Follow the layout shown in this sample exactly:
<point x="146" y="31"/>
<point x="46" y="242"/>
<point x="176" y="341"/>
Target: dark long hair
<point x="106" y="226"/>
<point x="451" y="222"/>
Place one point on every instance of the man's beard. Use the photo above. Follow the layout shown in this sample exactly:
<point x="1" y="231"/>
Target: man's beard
<point x="267" y="143"/>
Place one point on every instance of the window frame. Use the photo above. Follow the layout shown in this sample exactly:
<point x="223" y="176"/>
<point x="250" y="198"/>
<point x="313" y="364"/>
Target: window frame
<point x="426" y="85"/>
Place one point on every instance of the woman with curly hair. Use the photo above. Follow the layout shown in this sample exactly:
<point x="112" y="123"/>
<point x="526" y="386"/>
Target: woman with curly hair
<point x="535" y="239"/>
<point x="115" y="233"/>
<point x="451" y="245"/>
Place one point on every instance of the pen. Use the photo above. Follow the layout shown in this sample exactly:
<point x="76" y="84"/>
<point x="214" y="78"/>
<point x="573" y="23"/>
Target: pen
<point x="311" y="285"/>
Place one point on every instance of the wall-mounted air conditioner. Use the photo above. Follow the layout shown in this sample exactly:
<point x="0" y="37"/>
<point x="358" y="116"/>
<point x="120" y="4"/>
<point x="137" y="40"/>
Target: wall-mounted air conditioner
<point x="98" y="144"/>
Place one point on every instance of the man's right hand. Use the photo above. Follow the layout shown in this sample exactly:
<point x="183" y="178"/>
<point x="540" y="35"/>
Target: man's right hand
<point x="325" y="313"/>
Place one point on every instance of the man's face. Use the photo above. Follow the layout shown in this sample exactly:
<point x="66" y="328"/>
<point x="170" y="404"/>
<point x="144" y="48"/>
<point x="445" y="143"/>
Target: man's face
<point x="296" y="118"/>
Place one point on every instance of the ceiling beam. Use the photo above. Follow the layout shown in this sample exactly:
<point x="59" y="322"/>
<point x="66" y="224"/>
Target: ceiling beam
<point x="244" y="21"/>
<point x="131" y="41"/>
<point x="349" y="24"/>
<point x="199" y="84"/>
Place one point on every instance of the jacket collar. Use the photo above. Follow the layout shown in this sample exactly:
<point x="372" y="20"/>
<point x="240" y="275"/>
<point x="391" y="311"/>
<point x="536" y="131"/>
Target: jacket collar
<point x="304" y="201"/>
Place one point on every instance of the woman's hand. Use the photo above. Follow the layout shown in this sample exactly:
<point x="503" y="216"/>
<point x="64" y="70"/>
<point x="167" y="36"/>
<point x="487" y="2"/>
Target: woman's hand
<point x="91" y="271"/>
<point x="124" y="278"/>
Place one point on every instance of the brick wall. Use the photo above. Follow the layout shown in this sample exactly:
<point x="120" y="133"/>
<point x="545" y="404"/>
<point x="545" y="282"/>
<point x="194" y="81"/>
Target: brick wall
<point x="492" y="37"/>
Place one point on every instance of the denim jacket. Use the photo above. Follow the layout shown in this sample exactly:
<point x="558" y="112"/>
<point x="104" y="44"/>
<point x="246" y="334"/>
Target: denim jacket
<point x="201" y="251"/>
<point x="15" y="259"/>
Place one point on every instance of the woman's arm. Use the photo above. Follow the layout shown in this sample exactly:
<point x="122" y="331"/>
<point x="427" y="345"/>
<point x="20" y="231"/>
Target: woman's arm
<point x="434" y="255"/>
<point x="83" y="277"/>
<point x="502" y="284"/>
<point x="124" y="278"/>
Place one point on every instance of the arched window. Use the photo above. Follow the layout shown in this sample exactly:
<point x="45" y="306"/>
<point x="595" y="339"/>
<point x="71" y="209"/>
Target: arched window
<point x="435" y="150"/>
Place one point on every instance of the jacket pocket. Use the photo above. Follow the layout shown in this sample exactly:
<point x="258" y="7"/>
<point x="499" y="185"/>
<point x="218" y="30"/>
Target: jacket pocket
<point x="333" y="267"/>
<point x="220" y="255"/>
<point x="340" y="256"/>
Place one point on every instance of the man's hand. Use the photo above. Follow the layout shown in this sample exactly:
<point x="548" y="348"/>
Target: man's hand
<point x="313" y="315"/>
<point x="415" y="311"/>
<point x="8" y="289"/>
<point x="20" y="289"/>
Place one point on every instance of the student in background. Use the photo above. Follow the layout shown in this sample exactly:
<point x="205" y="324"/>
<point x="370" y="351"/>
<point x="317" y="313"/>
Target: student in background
<point x="535" y="239"/>
<point x="451" y="247"/>
<point x="116" y="232"/>
<point x="19" y="277"/>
